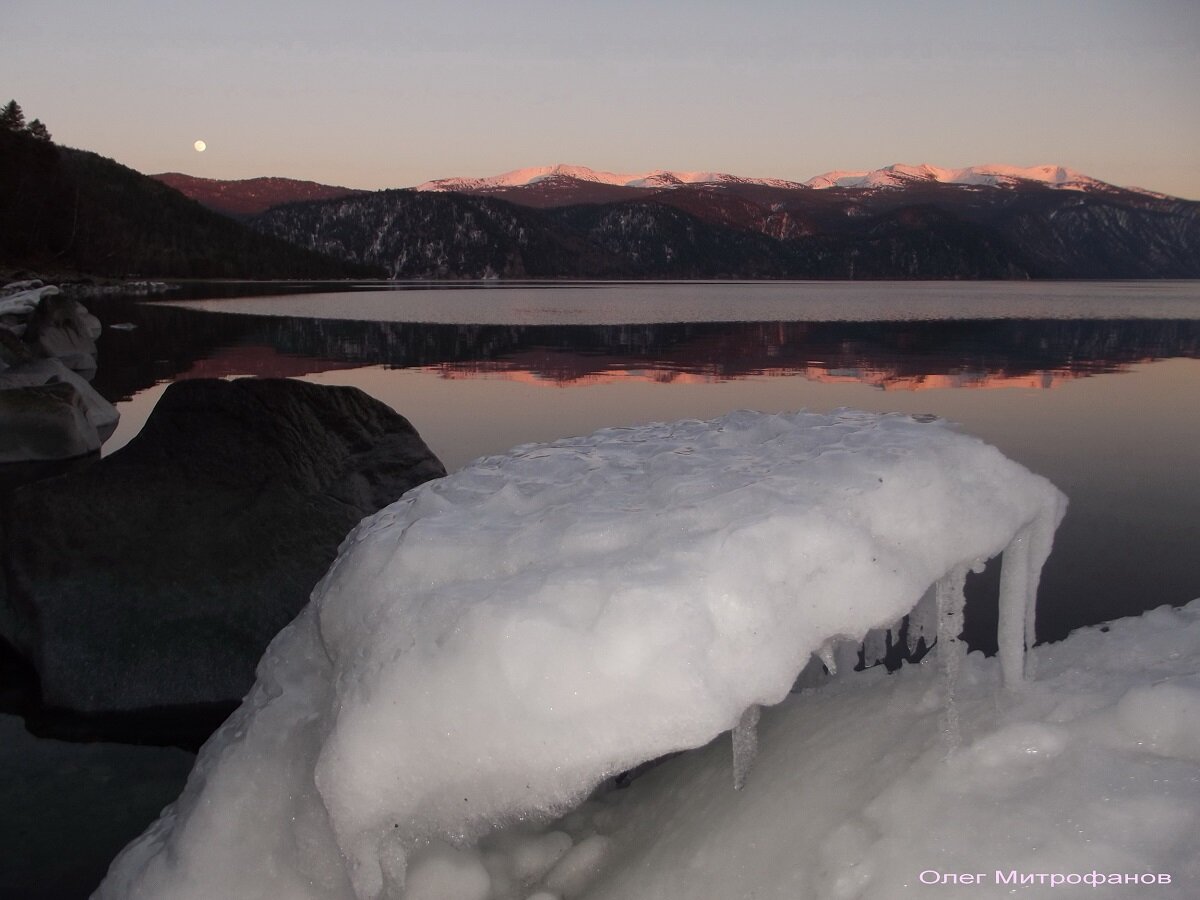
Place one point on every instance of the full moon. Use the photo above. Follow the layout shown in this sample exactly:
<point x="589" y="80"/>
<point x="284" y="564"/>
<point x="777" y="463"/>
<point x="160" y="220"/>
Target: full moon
<point x="200" y="146"/>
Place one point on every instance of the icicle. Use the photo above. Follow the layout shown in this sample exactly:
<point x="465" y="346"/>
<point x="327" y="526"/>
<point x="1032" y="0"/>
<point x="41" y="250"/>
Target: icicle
<point x="895" y="631"/>
<point x="1020" y="572"/>
<point x="1011" y="630"/>
<point x="922" y="621"/>
<point x="874" y="647"/>
<point x="745" y="745"/>
<point x="950" y="601"/>
<point x="825" y="654"/>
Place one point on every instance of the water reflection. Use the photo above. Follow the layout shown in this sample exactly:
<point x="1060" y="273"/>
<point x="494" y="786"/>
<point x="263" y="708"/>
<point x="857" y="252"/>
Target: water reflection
<point x="172" y="342"/>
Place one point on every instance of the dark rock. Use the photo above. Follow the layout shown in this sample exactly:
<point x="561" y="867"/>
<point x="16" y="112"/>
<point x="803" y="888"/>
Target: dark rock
<point x="44" y="421"/>
<point x="102" y="416"/>
<point x="156" y="577"/>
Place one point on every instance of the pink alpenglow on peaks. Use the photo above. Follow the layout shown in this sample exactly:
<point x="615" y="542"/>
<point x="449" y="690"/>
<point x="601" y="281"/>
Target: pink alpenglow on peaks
<point x="656" y="178"/>
<point x="897" y="175"/>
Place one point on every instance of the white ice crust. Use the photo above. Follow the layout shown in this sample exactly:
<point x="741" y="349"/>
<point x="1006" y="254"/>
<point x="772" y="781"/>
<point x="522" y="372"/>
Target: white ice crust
<point x="489" y="648"/>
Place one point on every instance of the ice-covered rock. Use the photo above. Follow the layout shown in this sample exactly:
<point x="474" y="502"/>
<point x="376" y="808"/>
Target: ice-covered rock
<point x="44" y="421"/>
<point x="101" y="414"/>
<point x="47" y="338"/>
<point x="16" y="287"/>
<point x="158" y="575"/>
<point x="47" y="411"/>
<point x="488" y="649"/>
<point x="50" y="323"/>
<point x="25" y="299"/>
<point x="1092" y="771"/>
<point x="61" y="327"/>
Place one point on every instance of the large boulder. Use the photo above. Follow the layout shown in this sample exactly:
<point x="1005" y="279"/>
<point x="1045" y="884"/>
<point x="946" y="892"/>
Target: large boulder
<point x="156" y="577"/>
<point x="42" y="421"/>
<point x="47" y="410"/>
<point x="98" y="423"/>
<point x="61" y="327"/>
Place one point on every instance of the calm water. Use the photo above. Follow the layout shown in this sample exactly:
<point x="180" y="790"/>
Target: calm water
<point x="1093" y="385"/>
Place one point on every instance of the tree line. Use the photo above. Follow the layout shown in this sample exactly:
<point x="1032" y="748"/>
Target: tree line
<point x="12" y="118"/>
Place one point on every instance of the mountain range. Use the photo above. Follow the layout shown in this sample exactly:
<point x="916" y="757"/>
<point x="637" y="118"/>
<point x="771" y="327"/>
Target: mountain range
<point x="900" y="221"/>
<point x="896" y="175"/>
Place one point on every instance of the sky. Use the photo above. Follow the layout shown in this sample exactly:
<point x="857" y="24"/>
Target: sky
<point x="389" y="93"/>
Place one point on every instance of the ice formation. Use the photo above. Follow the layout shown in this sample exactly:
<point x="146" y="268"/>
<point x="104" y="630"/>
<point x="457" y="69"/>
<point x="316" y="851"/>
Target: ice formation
<point x="1085" y="783"/>
<point x="489" y="648"/>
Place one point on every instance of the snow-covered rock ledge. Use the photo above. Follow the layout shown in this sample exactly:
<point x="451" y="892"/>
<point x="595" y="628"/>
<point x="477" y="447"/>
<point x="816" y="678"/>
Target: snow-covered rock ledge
<point x="48" y="411"/>
<point x="488" y="649"/>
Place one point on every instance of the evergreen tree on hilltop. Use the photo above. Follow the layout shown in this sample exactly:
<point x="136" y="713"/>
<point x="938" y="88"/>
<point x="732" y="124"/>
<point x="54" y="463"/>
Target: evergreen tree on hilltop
<point x="37" y="130"/>
<point x="12" y="118"/>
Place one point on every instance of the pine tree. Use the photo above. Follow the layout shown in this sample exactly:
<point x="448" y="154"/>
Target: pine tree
<point x="38" y="130"/>
<point x="11" y="117"/>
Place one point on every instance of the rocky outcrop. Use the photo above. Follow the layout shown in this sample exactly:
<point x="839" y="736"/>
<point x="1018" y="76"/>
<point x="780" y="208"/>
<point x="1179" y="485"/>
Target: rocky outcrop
<point x="157" y="576"/>
<point x="48" y="420"/>
<point x="48" y="411"/>
<point x="60" y="327"/>
<point x="35" y="396"/>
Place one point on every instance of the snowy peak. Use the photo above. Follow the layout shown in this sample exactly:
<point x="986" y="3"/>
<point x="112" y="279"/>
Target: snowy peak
<point x="897" y="175"/>
<point x="656" y="178"/>
<point x="902" y="175"/>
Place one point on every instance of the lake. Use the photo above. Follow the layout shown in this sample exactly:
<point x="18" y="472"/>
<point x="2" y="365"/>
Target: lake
<point x="1093" y="385"/>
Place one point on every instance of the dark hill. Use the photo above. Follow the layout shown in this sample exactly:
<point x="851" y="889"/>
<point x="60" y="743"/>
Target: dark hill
<point x="250" y="196"/>
<point x="71" y="210"/>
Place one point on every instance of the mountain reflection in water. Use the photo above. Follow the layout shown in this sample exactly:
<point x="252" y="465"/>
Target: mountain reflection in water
<point x="172" y="343"/>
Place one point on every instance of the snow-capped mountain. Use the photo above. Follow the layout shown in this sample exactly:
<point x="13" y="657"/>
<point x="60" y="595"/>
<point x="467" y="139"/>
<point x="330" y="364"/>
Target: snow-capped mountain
<point x="656" y="178"/>
<point x="897" y="175"/>
<point x="988" y="221"/>
<point x="902" y="175"/>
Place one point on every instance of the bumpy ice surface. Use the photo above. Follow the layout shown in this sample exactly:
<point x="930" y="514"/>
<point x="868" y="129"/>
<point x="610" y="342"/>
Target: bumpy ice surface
<point x="489" y="648"/>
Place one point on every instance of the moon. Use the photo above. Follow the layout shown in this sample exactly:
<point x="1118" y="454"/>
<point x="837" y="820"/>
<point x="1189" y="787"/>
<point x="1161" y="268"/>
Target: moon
<point x="200" y="146"/>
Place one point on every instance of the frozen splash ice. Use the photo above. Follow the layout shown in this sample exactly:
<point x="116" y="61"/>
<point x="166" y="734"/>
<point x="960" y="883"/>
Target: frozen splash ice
<point x="493" y="645"/>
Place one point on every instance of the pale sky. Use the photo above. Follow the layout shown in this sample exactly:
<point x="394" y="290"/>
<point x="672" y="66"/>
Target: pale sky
<point x="388" y="93"/>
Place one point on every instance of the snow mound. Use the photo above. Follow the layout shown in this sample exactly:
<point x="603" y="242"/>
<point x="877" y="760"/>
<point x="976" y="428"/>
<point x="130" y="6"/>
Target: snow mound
<point x="489" y="648"/>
